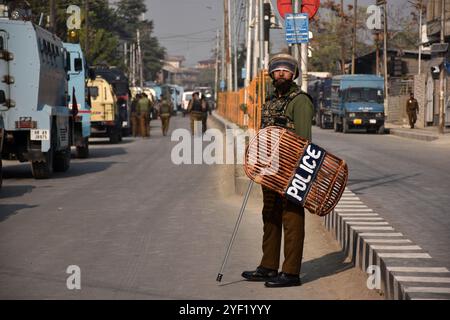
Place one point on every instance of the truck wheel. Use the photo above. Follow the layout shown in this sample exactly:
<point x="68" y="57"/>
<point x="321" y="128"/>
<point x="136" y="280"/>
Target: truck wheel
<point x="43" y="169"/>
<point x="82" y="152"/>
<point x="61" y="162"/>
<point x="115" y="136"/>
<point x="318" y="120"/>
<point x="381" y="129"/>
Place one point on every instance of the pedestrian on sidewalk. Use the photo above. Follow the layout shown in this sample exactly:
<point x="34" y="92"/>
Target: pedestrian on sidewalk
<point x="412" y="109"/>
<point x="196" y="111"/>
<point x="165" y="112"/>
<point x="291" y="108"/>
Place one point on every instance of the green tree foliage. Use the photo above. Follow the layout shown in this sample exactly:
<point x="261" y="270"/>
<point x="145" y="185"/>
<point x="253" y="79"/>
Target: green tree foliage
<point x="129" y="14"/>
<point x="108" y="29"/>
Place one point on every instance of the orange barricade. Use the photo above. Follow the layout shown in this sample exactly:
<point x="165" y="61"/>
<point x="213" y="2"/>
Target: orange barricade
<point x="243" y="107"/>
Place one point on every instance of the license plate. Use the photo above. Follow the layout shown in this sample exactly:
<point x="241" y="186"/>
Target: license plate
<point x="357" y="121"/>
<point x="124" y="124"/>
<point x="39" y="134"/>
<point x="373" y="121"/>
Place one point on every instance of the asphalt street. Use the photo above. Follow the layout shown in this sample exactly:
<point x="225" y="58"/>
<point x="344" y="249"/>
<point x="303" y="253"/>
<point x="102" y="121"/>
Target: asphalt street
<point x="140" y="227"/>
<point x="407" y="182"/>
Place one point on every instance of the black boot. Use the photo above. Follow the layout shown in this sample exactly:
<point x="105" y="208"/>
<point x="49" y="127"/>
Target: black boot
<point x="284" y="280"/>
<point x="260" y="274"/>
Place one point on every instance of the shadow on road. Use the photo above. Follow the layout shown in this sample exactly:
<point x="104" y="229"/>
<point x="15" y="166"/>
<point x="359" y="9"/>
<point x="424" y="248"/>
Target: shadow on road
<point x="83" y="168"/>
<point x="76" y="169"/>
<point x="105" y="141"/>
<point x="7" y="210"/>
<point x="95" y="153"/>
<point x="14" y="191"/>
<point x="376" y="182"/>
<point x="324" y="266"/>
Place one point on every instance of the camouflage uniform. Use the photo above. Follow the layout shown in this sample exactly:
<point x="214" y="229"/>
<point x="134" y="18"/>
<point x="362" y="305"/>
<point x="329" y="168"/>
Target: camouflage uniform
<point x="293" y="111"/>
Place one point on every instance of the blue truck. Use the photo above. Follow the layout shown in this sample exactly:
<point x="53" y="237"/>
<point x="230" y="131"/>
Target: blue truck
<point x="357" y="103"/>
<point x="35" y="119"/>
<point x="79" y="99"/>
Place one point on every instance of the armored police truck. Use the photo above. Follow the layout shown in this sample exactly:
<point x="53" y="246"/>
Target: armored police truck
<point x="78" y="99"/>
<point x="357" y="103"/>
<point x="33" y="97"/>
<point x="105" y="116"/>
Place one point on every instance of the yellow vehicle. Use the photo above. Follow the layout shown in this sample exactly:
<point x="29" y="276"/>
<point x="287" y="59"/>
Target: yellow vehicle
<point x="105" y="119"/>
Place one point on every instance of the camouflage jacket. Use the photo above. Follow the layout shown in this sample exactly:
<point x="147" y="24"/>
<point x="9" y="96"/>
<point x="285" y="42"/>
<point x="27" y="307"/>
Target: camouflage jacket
<point x="274" y="111"/>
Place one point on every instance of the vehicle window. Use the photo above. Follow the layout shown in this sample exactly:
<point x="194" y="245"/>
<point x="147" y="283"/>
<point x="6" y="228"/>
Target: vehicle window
<point x="188" y="97"/>
<point x="364" y="94"/>
<point x="93" y="91"/>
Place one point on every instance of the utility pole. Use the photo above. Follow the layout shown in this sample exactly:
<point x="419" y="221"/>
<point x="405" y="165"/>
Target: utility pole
<point x="385" y="52"/>
<point x="125" y="54"/>
<point x="216" y="76"/>
<point x="53" y="16"/>
<point x="141" y="76"/>
<point x="256" y="40"/>
<point x="248" y="66"/>
<point x="267" y="13"/>
<point x="86" y="18"/>
<point x="296" y="48"/>
<point x="420" y="38"/>
<point x="261" y="34"/>
<point x="355" y="17"/>
<point x="342" y="39"/>
<point x="442" y="79"/>
<point x="227" y="45"/>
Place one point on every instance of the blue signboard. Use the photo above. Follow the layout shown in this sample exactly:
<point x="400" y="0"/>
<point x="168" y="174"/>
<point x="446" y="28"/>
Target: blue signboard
<point x="297" y="28"/>
<point x="222" y="84"/>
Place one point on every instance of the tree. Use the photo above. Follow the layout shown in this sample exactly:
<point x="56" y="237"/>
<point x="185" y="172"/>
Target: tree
<point x="130" y="14"/>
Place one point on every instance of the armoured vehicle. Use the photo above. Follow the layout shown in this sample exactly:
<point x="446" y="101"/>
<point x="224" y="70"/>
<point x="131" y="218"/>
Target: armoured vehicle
<point x="79" y="99"/>
<point x="34" y="116"/>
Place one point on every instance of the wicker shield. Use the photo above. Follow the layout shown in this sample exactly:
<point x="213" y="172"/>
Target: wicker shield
<point x="301" y="171"/>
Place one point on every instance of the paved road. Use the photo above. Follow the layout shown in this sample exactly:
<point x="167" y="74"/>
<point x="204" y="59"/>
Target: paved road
<point x="140" y="227"/>
<point x="406" y="181"/>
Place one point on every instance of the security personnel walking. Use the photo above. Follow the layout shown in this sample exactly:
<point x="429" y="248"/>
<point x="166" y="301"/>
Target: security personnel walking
<point x="134" y="116"/>
<point x="165" y="112"/>
<point x="291" y="108"/>
<point x="412" y="109"/>
<point x="195" y="108"/>
<point x="143" y="109"/>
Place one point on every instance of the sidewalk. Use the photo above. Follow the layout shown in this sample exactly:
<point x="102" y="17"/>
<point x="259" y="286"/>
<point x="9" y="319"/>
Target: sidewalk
<point x="425" y="134"/>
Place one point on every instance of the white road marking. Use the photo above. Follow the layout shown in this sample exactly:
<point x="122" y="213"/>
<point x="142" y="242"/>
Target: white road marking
<point x="427" y="289"/>
<point x="357" y="214"/>
<point x="423" y="279"/>
<point x="362" y="218"/>
<point x="378" y="247"/>
<point x="368" y="223"/>
<point x="354" y="210"/>
<point x="372" y="228"/>
<point x="400" y="255"/>
<point x="388" y="240"/>
<point x="418" y="269"/>
<point x="385" y="234"/>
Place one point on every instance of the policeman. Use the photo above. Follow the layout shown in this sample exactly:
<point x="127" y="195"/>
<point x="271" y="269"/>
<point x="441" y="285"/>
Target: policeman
<point x="143" y="109"/>
<point x="134" y="115"/>
<point x="412" y="109"/>
<point x="196" y="109"/>
<point x="291" y="108"/>
<point x="165" y="112"/>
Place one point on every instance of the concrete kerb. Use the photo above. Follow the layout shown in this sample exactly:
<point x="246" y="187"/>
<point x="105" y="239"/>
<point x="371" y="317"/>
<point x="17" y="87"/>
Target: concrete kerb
<point x="241" y="181"/>
<point x="371" y="244"/>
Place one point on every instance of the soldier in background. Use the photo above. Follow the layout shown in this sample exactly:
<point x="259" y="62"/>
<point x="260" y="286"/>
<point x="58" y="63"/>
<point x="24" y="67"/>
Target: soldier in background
<point x="412" y="109"/>
<point x="205" y="110"/>
<point x="143" y="108"/>
<point x="165" y="112"/>
<point x="134" y="116"/>
<point x="196" y="110"/>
